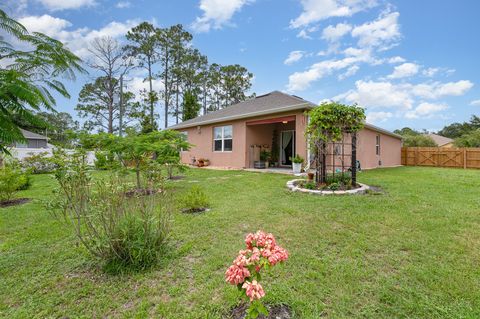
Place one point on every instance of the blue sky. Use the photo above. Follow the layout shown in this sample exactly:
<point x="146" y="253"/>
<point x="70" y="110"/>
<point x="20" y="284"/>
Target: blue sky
<point x="409" y="63"/>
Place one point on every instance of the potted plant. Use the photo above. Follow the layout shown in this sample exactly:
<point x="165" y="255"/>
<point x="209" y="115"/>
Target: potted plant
<point x="264" y="157"/>
<point x="206" y="162"/>
<point x="297" y="162"/>
<point x="201" y="162"/>
<point x="310" y="176"/>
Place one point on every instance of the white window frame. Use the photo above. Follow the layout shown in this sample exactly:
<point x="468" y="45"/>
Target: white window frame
<point x="377" y="145"/>
<point x="222" y="138"/>
<point x="185" y="133"/>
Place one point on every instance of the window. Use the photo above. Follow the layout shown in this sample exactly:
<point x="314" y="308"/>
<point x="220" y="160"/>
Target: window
<point x="222" y="138"/>
<point x="377" y="145"/>
<point x="185" y="135"/>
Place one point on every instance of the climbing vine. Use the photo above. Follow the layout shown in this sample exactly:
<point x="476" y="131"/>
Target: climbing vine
<point x="330" y="123"/>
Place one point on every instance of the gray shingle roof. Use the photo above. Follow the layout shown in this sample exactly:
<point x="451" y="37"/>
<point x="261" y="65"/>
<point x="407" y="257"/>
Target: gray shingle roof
<point x="272" y="102"/>
<point x="32" y="136"/>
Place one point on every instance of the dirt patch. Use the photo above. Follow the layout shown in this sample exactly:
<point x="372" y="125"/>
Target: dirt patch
<point x="195" y="210"/>
<point x="14" y="202"/>
<point x="274" y="312"/>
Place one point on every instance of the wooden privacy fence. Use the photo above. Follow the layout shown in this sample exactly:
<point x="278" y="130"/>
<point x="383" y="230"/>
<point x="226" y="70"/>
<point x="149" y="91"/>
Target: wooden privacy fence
<point x="441" y="157"/>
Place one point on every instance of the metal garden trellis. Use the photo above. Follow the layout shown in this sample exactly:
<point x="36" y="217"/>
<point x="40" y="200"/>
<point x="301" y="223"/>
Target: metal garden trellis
<point x="329" y="127"/>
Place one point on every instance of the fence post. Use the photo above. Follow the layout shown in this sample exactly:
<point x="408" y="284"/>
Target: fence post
<point x="464" y="158"/>
<point x="416" y="156"/>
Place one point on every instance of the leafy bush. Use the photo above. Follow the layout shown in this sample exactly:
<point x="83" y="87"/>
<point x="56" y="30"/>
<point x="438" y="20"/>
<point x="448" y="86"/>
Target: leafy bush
<point x="11" y="181"/>
<point x="105" y="160"/>
<point x="194" y="200"/>
<point x="339" y="178"/>
<point x="471" y="139"/>
<point x="310" y="185"/>
<point x="418" y="141"/>
<point x="39" y="163"/>
<point x="334" y="186"/>
<point x="118" y="229"/>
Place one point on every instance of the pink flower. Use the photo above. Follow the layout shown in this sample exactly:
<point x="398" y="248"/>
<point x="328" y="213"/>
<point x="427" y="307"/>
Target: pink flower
<point x="253" y="290"/>
<point x="236" y="274"/>
<point x="278" y="254"/>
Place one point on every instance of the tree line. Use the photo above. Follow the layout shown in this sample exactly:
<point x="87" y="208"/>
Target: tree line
<point x="29" y="78"/>
<point x="466" y="134"/>
<point x="190" y="85"/>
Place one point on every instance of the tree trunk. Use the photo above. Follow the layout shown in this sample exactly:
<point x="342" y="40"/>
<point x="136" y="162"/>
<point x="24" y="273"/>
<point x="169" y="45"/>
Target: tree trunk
<point x="176" y="104"/>
<point x="152" y="111"/>
<point x="167" y="91"/>
<point x="137" y="173"/>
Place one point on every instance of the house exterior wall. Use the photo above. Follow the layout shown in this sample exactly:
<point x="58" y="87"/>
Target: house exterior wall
<point x="390" y="149"/>
<point x="245" y="135"/>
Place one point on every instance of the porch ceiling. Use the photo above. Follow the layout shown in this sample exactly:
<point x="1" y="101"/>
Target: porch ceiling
<point x="273" y="120"/>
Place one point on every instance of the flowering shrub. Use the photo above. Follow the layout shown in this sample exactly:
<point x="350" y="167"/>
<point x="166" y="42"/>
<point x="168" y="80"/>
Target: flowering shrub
<point x="262" y="252"/>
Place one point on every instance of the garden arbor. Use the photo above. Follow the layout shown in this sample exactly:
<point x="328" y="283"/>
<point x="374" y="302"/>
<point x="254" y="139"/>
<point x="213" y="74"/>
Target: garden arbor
<point x="329" y="128"/>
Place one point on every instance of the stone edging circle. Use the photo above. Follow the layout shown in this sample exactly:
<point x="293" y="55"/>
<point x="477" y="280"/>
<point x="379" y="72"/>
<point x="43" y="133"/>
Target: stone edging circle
<point x="292" y="185"/>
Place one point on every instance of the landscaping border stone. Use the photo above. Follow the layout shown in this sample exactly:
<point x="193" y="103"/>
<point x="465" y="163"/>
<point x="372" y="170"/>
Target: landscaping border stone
<point x="293" y="186"/>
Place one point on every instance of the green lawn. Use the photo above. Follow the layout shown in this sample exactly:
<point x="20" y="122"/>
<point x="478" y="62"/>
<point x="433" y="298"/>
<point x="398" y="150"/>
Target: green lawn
<point x="413" y="252"/>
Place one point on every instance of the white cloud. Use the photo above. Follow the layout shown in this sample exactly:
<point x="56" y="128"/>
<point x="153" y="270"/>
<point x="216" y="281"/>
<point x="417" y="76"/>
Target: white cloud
<point x="426" y="110"/>
<point x="475" y="103"/>
<point x="378" y="95"/>
<point x="77" y="39"/>
<point x="377" y="117"/>
<point x="404" y="70"/>
<point x="402" y="97"/>
<point x="334" y="33"/>
<point x="317" y="10"/>
<point x="299" y="81"/>
<point x="138" y="84"/>
<point x="430" y="72"/>
<point x="383" y="32"/>
<point x="123" y="4"/>
<point x="396" y="59"/>
<point x="293" y="57"/>
<point x="47" y="24"/>
<point x="350" y="72"/>
<point x="437" y="90"/>
<point x="55" y="5"/>
<point x="217" y="13"/>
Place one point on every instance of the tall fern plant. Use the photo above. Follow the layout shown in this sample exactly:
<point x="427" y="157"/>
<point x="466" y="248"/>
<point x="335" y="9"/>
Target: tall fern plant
<point x="29" y="77"/>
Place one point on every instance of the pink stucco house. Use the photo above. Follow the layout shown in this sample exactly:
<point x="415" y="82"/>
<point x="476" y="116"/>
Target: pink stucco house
<point x="233" y="137"/>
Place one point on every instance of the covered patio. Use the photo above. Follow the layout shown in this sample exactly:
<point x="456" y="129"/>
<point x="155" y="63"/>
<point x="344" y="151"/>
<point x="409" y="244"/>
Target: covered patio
<point x="278" y="136"/>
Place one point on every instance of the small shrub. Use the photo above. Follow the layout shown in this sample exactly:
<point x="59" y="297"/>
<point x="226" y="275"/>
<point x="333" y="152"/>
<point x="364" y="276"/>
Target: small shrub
<point x="194" y="200"/>
<point x="119" y="230"/>
<point x="334" y="186"/>
<point x="310" y="185"/>
<point x="39" y="163"/>
<point x="261" y="253"/>
<point x="11" y="181"/>
<point x="105" y="160"/>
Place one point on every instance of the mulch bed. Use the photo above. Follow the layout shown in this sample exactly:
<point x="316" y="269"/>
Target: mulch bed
<point x="274" y="312"/>
<point x="14" y="202"/>
<point x="195" y="210"/>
